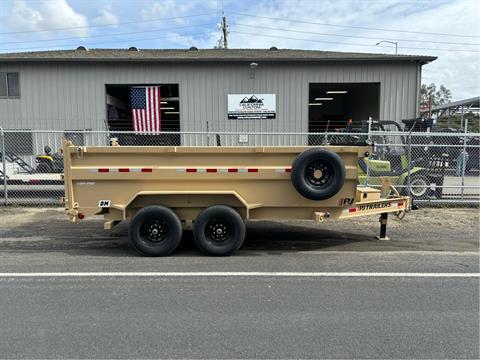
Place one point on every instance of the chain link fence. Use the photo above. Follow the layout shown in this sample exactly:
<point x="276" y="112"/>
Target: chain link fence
<point x="432" y="167"/>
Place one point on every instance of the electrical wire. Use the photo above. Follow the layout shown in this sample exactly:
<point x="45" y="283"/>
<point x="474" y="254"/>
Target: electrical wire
<point x="106" y="25"/>
<point x="337" y="43"/>
<point x="354" y="27"/>
<point x="352" y="36"/>
<point x="171" y="36"/>
<point x="104" y="35"/>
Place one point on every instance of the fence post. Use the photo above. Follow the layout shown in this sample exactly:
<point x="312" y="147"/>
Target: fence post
<point x="464" y="159"/>
<point x="369" y="141"/>
<point x="409" y="162"/>
<point x="4" y="165"/>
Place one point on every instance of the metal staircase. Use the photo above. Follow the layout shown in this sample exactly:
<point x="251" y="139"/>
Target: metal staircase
<point x="13" y="158"/>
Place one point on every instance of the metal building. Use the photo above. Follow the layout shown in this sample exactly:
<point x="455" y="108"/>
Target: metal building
<point x="306" y="91"/>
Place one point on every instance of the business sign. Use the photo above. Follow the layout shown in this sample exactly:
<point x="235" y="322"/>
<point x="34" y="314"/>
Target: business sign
<point x="251" y="106"/>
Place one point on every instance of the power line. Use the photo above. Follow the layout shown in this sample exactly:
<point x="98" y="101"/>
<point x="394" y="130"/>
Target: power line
<point x="337" y="43"/>
<point x="353" y="36"/>
<point x="105" y="25"/>
<point x="103" y="42"/>
<point x="104" y="35"/>
<point x="355" y="27"/>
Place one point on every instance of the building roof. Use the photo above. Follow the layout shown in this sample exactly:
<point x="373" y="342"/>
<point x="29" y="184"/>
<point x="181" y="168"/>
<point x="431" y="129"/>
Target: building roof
<point x="475" y="102"/>
<point x="193" y="54"/>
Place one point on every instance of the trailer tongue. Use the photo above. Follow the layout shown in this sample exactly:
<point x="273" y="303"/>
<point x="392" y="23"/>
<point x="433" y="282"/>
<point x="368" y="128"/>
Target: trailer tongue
<point x="213" y="190"/>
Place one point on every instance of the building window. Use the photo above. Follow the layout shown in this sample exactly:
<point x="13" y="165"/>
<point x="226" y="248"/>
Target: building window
<point x="9" y="85"/>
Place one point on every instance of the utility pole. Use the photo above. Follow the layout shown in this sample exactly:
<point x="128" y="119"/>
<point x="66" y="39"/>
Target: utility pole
<point x="225" y="32"/>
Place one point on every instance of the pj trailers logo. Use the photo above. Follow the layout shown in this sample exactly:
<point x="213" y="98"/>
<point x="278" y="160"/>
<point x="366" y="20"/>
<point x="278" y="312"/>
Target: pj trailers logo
<point x="251" y="106"/>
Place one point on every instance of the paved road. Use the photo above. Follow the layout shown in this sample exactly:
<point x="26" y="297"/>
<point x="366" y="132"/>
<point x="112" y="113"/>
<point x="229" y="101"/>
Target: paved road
<point x="263" y="316"/>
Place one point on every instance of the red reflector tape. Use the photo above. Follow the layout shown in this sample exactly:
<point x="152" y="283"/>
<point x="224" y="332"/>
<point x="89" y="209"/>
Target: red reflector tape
<point x="191" y="170"/>
<point x="253" y="170"/>
<point x="232" y="170"/>
<point x="211" y="170"/>
<point x="352" y="210"/>
<point x="103" y="170"/>
<point x="147" y="170"/>
<point x="288" y="170"/>
<point x="123" y="170"/>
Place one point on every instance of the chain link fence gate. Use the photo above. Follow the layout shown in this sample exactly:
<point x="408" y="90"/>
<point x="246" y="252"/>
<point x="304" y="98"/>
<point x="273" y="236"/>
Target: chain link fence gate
<point x="432" y="167"/>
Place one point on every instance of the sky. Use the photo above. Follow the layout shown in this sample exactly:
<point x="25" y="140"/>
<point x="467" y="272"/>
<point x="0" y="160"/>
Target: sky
<point x="449" y="30"/>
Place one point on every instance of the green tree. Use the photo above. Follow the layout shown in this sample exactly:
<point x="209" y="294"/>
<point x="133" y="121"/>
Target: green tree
<point x="430" y="96"/>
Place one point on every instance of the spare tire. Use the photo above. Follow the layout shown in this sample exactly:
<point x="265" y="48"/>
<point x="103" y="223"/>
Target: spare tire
<point x="318" y="174"/>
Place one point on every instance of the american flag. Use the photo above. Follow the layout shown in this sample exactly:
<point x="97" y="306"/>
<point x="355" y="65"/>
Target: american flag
<point x="146" y="115"/>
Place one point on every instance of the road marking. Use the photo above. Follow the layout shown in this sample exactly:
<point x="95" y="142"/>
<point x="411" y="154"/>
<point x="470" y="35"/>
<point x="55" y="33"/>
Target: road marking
<point x="241" y="274"/>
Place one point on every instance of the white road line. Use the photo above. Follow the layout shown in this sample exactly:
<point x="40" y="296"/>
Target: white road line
<point x="240" y="274"/>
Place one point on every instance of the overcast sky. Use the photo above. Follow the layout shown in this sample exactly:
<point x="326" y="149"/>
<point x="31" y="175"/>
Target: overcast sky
<point x="336" y="25"/>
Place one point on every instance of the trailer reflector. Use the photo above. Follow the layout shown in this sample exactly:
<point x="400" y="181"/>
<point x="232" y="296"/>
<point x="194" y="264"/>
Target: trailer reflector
<point x="232" y="170"/>
<point x="191" y="170"/>
<point x="211" y="170"/>
<point x="147" y="170"/>
<point x="123" y="170"/>
<point x="103" y="170"/>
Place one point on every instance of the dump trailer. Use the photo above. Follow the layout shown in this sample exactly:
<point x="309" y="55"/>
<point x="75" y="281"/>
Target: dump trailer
<point x="163" y="190"/>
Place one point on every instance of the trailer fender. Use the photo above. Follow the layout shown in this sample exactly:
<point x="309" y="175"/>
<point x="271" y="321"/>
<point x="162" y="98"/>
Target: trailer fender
<point x="187" y="199"/>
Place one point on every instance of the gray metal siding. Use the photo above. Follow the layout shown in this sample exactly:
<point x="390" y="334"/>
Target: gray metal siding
<point x="72" y="95"/>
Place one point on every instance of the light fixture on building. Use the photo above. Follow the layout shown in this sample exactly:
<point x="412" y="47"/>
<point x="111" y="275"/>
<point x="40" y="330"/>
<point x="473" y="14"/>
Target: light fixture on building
<point x="253" y="65"/>
<point x="337" y="92"/>
<point x="163" y="102"/>
<point x="167" y="108"/>
<point x="313" y="104"/>
<point x="171" y="112"/>
<point x="317" y="99"/>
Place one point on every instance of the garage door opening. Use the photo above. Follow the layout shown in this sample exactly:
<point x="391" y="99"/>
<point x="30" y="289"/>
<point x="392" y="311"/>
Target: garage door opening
<point x="332" y="106"/>
<point x="121" y="103"/>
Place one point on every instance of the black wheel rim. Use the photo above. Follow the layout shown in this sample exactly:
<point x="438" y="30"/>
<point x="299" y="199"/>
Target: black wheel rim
<point x="318" y="173"/>
<point x="154" y="230"/>
<point x="218" y="230"/>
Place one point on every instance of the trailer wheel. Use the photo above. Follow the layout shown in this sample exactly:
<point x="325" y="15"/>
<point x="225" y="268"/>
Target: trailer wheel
<point x="219" y="230"/>
<point x="318" y="174"/>
<point x="155" y="231"/>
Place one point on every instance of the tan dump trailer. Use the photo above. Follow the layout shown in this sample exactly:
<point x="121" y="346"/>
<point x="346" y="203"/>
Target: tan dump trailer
<point x="165" y="189"/>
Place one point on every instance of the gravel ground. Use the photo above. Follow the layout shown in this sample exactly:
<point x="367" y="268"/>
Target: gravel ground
<point x="423" y="230"/>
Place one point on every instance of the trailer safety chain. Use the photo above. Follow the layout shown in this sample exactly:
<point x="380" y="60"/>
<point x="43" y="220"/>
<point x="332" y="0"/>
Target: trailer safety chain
<point x="401" y="213"/>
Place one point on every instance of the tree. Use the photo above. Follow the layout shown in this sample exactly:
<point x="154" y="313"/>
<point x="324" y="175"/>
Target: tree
<point x="430" y="96"/>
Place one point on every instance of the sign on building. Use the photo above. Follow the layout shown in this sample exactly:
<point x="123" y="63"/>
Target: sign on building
<point x="251" y="106"/>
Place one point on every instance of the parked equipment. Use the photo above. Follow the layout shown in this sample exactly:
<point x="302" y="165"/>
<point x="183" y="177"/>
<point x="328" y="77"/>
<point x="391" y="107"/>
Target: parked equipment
<point x="213" y="190"/>
<point x="49" y="163"/>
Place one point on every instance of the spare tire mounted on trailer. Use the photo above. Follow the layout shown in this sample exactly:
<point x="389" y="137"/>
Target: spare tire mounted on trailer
<point x="318" y="174"/>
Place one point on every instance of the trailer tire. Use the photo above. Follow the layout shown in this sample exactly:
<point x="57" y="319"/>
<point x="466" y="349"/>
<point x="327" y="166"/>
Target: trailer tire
<point x="155" y="231"/>
<point x="318" y="174"/>
<point x="219" y="230"/>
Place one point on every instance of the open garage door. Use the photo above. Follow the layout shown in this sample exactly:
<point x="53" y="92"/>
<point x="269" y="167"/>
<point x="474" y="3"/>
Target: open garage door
<point x="332" y="106"/>
<point x="121" y="102"/>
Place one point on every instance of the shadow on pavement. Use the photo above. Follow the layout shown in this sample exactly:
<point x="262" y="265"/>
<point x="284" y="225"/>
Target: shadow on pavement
<point x="90" y="238"/>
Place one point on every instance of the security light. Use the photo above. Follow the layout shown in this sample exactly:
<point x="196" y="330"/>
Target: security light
<point x="326" y="98"/>
<point x="253" y="65"/>
<point x="337" y="92"/>
<point x="312" y="104"/>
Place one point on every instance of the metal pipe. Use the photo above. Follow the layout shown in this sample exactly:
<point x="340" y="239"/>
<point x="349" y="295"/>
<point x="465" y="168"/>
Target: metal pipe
<point x="5" y="189"/>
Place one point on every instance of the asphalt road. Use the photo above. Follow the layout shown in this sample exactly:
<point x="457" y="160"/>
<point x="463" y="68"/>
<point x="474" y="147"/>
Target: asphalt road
<point x="394" y="299"/>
